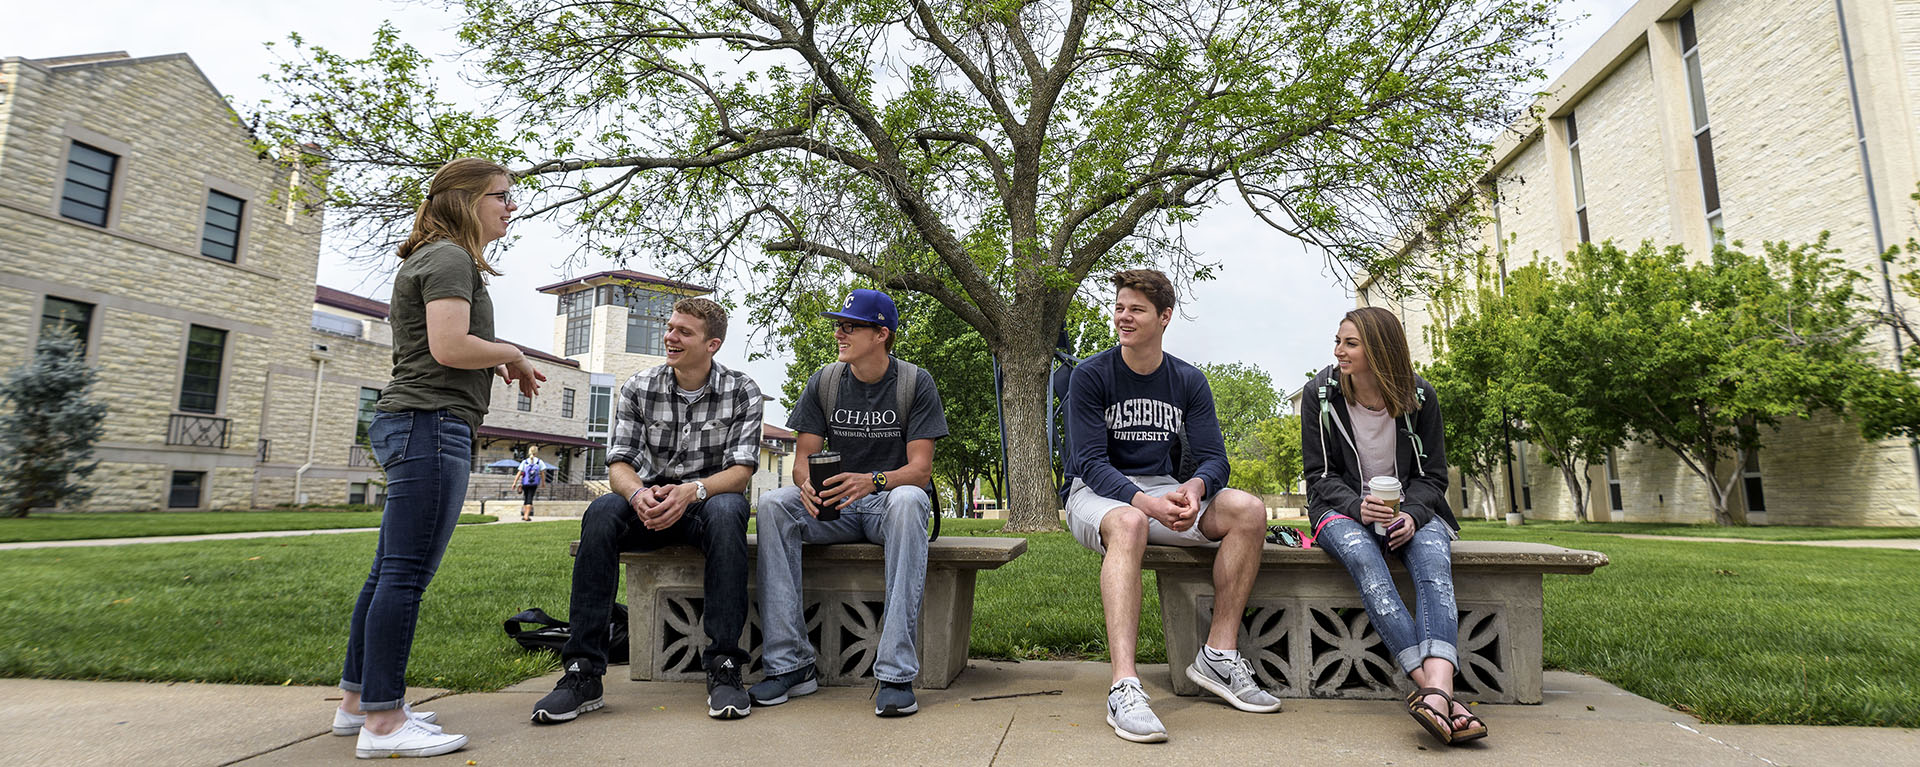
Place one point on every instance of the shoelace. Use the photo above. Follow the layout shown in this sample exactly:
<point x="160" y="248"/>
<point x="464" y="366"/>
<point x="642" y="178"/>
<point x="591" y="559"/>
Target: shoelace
<point x="725" y="676"/>
<point x="1240" y="673"/>
<point x="575" y="680"/>
<point x="1131" y="697"/>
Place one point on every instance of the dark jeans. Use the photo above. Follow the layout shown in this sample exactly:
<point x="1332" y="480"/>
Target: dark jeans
<point x="426" y="455"/>
<point x="718" y="526"/>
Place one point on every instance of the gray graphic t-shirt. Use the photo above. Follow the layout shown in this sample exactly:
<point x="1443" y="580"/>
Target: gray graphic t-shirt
<point x="867" y="427"/>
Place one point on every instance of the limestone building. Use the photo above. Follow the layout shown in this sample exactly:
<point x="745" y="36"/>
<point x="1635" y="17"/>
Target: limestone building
<point x="1749" y="119"/>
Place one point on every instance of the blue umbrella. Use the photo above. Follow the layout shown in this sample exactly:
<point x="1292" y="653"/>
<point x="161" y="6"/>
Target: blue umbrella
<point x="504" y="463"/>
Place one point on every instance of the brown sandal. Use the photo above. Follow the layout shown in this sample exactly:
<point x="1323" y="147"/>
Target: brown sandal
<point x="1474" y="729"/>
<point x="1437" y="724"/>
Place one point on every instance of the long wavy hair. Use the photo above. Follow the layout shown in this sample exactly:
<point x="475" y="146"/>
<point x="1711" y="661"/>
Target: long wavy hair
<point x="1385" y="344"/>
<point x="452" y="209"/>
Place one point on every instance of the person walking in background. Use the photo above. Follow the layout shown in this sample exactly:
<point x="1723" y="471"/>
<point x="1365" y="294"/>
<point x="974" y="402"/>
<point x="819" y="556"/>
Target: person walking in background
<point x="444" y="355"/>
<point x="529" y="476"/>
<point x="1376" y="468"/>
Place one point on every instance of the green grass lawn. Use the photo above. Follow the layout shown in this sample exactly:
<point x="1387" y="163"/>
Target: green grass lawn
<point x="72" y="527"/>
<point x="1732" y="632"/>
<point x="1769" y="533"/>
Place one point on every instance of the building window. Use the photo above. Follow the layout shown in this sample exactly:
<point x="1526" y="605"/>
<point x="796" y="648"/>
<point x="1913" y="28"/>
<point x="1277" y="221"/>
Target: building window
<point x="327" y="322"/>
<point x="220" y="237"/>
<point x="74" y="317"/>
<point x="1613" y="483"/>
<point x="1579" y="179"/>
<point x="1702" y="129"/>
<point x="89" y="187"/>
<point x="566" y="403"/>
<point x="596" y="460"/>
<point x="366" y="493"/>
<point x="368" y="399"/>
<point x="526" y="403"/>
<point x="185" y="490"/>
<point x="647" y="313"/>
<point x="200" y="382"/>
<point x="599" y="408"/>
<point x="578" y="308"/>
<point x="1750" y="478"/>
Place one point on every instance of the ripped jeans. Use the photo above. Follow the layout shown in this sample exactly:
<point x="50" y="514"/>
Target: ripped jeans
<point x="1429" y="559"/>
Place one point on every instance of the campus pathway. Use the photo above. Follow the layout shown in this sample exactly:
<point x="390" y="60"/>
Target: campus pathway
<point x="1584" y="721"/>
<point x="512" y="519"/>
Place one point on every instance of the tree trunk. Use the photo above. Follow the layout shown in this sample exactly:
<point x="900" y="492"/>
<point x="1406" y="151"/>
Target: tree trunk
<point x="1489" y="510"/>
<point x="1029" y="494"/>
<point x="1572" y="477"/>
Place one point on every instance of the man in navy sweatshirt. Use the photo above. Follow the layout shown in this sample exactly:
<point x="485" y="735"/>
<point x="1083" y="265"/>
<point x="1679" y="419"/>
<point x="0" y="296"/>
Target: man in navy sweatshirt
<point x="1149" y="466"/>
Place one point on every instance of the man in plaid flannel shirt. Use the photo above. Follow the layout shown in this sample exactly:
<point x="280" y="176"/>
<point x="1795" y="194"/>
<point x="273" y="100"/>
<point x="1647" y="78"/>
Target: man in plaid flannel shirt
<point x="686" y="442"/>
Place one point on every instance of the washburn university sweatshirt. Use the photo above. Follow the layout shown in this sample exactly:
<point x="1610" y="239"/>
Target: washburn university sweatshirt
<point x="1121" y="424"/>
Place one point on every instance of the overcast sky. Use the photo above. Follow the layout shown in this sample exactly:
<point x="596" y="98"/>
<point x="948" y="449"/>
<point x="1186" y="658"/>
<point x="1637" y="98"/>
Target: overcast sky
<point x="1271" y="305"/>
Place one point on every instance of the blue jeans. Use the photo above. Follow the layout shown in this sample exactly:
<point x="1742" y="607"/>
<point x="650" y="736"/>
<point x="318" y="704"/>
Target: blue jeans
<point x="1429" y="559"/>
<point x="895" y="519"/>
<point x="717" y="525"/>
<point x="426" y="455"/>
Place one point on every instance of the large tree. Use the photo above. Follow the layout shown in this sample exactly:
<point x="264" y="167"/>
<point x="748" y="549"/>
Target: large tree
<point x="1560" y="378"/>
<point x="991" y="155"/>
<point x="1243" y="396"/>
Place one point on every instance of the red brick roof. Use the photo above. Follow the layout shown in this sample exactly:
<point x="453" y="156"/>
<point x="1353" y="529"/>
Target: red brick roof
<point x="325" y="295"/>
<point x="350" y="302"/>
<point x="770" y="431"/>
<point x="517" y="435"/>
<point x="601" y="278"/>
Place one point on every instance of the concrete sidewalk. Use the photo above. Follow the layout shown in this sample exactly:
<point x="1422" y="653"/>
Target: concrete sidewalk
<point x="510" y="519"/>
<point x="1584" y="721"/>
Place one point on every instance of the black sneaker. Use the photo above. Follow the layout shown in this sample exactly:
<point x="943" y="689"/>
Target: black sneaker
<point x="577" y="693"/>
<point x="775" y="690"/>
<point x="725" y="698"/>
<point x="894" y="699"/>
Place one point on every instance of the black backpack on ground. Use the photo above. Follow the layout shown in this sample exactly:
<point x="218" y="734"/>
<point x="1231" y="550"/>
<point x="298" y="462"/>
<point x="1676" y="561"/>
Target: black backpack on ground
<point x="549" y="633"/>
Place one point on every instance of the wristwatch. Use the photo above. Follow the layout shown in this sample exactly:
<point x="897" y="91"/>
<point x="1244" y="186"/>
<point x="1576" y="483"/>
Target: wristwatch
<point x="699" y="490"/>
<point x="879" y="481"/>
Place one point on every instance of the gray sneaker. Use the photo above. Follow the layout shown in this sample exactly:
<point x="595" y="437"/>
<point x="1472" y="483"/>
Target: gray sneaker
<point x="1234" y="682"/>
<point x="775" y="690"/>
<point x="1129" y="715"/>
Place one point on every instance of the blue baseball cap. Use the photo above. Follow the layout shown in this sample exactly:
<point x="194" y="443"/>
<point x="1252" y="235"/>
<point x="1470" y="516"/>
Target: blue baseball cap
<point x="870" y="306"/>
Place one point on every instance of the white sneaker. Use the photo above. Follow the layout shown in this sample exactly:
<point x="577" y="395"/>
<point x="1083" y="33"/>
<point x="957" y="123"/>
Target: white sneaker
<point x="1129" y="714"/>
<point x="414" y="738"/>
<point x="350" y="724"/>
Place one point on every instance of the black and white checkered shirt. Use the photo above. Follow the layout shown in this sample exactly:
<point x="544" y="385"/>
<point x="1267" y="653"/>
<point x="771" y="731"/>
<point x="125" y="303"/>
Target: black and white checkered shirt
<point x="667" y="439"/>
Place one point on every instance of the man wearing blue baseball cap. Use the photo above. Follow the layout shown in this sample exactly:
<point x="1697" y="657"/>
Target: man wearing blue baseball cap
<point x="882" y="416"/>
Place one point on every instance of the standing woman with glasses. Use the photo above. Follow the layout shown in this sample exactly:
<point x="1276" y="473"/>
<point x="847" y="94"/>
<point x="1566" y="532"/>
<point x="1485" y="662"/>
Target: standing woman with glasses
<point x="1369" y="418"/>
<point x="444" y="359"/>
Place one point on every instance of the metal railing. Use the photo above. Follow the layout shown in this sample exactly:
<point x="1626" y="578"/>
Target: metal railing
<point x="197" y="431"/>
<point x="360" y="455"/>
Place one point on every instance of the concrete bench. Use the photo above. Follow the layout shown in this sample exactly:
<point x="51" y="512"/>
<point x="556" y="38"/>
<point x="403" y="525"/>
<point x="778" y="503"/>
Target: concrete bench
<point x="844" y="593"/>
<point x="1307" y="634"/>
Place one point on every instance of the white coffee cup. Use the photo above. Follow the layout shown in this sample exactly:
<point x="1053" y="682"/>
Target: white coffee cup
<point x="1386" y="489"/>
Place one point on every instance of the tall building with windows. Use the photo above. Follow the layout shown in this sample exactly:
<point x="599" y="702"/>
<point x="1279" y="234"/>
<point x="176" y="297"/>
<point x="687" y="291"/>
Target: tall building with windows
<point x="1689" y="122"/>
<point x="138" y="214"/>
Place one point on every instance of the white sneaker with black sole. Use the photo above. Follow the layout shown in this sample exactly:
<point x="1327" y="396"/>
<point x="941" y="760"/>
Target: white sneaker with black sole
<point x="413" y="738"/>
<point x="1232" y="679"/>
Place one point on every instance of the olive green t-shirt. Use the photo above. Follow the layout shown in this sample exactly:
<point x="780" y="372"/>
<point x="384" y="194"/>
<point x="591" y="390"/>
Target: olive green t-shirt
<point x="437" y="270"/>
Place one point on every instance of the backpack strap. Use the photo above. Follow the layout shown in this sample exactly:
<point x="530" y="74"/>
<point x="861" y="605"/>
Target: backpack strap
<point x="829" y="390"/>
<point x="905" y="376"/>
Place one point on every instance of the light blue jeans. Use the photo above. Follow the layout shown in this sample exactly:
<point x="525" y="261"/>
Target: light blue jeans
<point x="895" y="519"/>
<point x="1433" y="631"/>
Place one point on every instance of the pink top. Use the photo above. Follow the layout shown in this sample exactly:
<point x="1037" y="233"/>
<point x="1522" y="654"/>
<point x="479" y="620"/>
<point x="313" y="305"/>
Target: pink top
<point x="1373" y="437"/>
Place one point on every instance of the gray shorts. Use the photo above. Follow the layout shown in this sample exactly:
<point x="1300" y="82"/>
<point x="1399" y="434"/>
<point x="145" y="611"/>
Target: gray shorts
<point x="1085" y="509"/>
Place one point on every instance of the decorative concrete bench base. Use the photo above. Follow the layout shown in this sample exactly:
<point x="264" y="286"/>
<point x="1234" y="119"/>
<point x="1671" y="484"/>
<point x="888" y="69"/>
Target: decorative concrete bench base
<point x="844" y="593"/>
<point x="1307" y="634"/>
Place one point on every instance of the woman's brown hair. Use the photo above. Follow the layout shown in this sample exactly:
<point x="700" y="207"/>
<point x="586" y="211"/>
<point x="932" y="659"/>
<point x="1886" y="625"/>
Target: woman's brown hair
<point x="452" y="209"/>
<point x="1385" y="345"/>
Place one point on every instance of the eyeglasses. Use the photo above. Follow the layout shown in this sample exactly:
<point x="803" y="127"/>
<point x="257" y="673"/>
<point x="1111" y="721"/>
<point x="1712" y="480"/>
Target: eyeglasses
<point x="505" y="197"/>
<point x="844" y="326"/>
